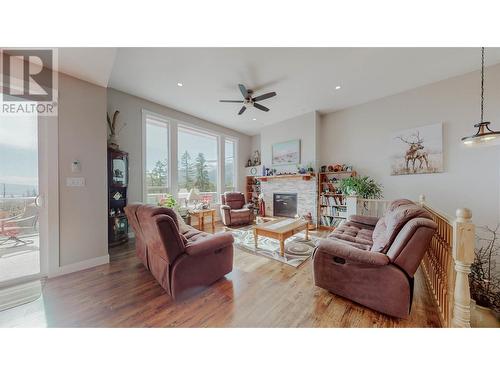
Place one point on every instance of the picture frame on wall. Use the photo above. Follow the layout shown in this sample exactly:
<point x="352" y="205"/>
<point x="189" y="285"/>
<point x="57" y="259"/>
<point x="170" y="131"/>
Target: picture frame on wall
<point x="286" y="153"/>
<point x="417" y="150"/>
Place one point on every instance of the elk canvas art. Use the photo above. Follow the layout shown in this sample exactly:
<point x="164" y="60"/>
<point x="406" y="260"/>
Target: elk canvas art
<point x="417" y="150"/>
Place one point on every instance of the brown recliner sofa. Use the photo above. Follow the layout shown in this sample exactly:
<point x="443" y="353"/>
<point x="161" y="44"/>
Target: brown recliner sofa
<point x="140" y="243"/>
<point x="372" y="261"/>
<point x="182" y="263"/>
<point x="234" y="210"/>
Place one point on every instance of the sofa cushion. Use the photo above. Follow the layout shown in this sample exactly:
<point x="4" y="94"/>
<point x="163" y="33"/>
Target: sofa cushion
<point x="240" y="213"/>
<point x="197" y="237"/>
<point x="393" y="221"/>
<point x="183" y="227"/>
<point x="354" y="235"/>
<point x="191" y="232"/>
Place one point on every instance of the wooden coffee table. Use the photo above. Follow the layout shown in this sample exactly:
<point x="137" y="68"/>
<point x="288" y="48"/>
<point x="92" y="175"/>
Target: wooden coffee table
<point x="280" y="230"/>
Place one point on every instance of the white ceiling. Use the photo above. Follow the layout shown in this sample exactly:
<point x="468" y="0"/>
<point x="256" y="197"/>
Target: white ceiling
<point x="304" y="78"/>
<point x="90" y="64"/>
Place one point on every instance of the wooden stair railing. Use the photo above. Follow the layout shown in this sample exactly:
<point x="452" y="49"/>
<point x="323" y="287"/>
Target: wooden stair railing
<point x="447" y="262"/>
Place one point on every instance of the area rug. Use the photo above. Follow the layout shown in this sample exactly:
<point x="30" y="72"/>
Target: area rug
<point x="297" y="248"/>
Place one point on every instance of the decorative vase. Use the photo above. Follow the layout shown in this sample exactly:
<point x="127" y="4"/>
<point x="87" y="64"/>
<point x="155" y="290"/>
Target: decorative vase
<point x="113" y="142"/>
<point x="482" y="317"/>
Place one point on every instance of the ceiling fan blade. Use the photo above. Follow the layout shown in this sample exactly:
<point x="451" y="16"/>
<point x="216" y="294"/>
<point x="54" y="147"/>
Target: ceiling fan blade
<point x="231" y="101"/>
<point x="261" y="107"/>
<point x="244" y="91"/>
<point x="242" y="110"/>
<point x="264" y="96"/>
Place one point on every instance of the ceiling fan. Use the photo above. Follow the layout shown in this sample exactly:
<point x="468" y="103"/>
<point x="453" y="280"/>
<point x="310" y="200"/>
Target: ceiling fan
<point x="249" y="101"/>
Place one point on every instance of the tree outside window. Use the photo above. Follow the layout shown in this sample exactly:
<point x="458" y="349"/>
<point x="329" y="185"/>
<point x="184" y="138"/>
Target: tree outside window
<point x="198" y="163"/>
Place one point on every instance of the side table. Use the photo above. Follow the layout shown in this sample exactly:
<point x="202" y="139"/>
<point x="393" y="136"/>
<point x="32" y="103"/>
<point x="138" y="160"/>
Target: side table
<point x="201" y="215"/>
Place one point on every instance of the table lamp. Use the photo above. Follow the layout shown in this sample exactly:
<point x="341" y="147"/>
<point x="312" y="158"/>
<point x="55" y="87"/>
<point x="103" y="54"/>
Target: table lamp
<point x="193" y="196"/>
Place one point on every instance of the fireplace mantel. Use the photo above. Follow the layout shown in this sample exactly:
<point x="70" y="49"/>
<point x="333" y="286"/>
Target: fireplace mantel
<point x="305" y="177"/>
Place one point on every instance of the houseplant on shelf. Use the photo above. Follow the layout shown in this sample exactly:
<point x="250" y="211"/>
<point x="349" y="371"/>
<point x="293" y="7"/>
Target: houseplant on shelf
<point x="484" y="279"/>
<point x="363" y="187"/>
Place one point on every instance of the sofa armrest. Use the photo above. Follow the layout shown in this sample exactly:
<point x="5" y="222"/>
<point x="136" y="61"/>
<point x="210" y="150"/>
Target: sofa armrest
<point x="215" y="242"/>
<point x="225" y="207"/>
<point x="365" y="220"/>
<point x="351" y="253"/>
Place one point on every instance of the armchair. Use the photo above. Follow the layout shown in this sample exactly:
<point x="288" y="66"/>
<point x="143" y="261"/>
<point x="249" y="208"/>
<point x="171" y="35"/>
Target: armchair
<point x="234" y="210"/>
<point x="372" y="261"/>
<point x="185" y="262"/>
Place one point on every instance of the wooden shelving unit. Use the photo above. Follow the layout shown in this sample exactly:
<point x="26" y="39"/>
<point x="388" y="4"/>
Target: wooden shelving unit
<point x="252" y="191"/>
<point x="332" y="208"/>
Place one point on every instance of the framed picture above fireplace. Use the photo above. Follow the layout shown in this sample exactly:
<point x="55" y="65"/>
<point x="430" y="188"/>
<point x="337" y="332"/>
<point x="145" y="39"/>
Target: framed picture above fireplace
<point x="286" y="153"/>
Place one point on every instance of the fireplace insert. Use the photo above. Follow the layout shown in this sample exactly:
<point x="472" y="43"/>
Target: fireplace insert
<point x="285" y="204"/>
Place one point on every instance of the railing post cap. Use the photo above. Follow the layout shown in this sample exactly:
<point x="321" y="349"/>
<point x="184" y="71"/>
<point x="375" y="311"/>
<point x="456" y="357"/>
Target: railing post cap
<point x="464" y="213"/>
<point x="421" y="198"/>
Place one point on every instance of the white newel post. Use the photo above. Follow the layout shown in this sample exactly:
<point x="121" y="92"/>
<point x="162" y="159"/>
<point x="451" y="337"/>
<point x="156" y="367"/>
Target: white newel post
<point x="421" y="200"/>
<point x="463" y="256"/>
<point x="351" y="203"/>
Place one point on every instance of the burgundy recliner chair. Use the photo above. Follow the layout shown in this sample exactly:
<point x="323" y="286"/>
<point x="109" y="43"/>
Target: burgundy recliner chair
<point x="234" y="210"/>
<point x="372" y="261"/>
<point x="182" y="263"/>
<point x="140" y="243"/>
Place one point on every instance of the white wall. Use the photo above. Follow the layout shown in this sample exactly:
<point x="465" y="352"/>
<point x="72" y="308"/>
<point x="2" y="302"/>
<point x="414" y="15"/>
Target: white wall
<point x="82" y="135"/>
<point x="360" y="136"/>
<point x="255" y="143"/>
<point x="304" y="127"/>
<point x="130" y="139"/>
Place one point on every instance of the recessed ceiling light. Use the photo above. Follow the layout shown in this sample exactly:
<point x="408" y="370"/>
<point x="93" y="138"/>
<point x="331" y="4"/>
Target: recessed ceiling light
<point x="254" y="119"/>
<point x="337" y="87"/>
<point x="179" y="84"/>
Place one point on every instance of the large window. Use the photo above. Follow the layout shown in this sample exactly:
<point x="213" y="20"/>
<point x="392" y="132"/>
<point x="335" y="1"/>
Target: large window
<point x="198" y="164"/>
<point x="156" y="153"/>
<point x="229" y="165"/>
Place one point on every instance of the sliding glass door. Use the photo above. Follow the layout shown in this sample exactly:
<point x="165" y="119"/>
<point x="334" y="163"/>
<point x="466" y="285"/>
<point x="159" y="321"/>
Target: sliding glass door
<point x="19" y="199"/>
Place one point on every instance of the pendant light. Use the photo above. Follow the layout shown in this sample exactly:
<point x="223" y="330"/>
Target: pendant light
<point x="484" y="135"/>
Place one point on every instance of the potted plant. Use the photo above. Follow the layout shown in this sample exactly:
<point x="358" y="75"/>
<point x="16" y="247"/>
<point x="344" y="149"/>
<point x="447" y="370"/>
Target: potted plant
<point x="168" y="201"/>
<point x="484" y="279"/>
<point x="363" y="187"/>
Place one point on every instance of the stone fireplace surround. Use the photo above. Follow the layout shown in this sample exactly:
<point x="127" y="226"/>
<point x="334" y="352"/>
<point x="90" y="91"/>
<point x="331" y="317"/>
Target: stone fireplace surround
<point x="306" y="191"/>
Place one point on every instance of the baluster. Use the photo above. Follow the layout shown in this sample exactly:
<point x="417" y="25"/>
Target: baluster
<point x="352" y="206"/>
<point x="463" y="255"/>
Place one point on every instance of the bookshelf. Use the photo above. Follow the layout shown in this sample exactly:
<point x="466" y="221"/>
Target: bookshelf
<point x="332" y="209"/>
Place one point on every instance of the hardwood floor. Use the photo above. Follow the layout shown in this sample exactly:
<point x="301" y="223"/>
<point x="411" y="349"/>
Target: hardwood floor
<point x="259" y="292"/>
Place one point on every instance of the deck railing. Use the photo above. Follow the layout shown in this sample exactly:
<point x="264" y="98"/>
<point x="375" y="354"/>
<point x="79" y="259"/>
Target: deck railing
<point x="446" y="264"/>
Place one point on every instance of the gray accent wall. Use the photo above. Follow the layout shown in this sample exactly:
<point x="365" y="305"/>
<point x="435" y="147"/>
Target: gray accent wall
<point x="83" y="231"/>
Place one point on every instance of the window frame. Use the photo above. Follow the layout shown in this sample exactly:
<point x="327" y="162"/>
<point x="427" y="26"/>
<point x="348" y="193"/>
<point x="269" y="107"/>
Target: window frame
<point x="168" y="124"/>
<point x="235" y="161"/>
<point x="173" y="126"/>
<point x="189" y="128"/>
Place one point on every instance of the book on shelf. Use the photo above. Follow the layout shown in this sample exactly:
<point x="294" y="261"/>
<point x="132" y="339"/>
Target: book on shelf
<point x="328" y="221"/>
<point x="332" y="200"/>
<point x="334" y="211"/>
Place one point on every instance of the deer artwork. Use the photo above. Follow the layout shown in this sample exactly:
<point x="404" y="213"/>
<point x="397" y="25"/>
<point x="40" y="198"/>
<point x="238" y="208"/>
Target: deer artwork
<point x="415" y="152"/>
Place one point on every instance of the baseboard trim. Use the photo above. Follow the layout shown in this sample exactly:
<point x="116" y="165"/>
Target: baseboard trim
<point x="80" y="266"/>
<point x="20" y="294"/>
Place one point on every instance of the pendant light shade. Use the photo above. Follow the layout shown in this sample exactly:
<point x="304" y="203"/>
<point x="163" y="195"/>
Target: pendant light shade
<point x="484" y="135"/>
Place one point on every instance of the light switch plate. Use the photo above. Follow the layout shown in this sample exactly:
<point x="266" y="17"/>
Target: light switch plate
<point x="75" y="181"/>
